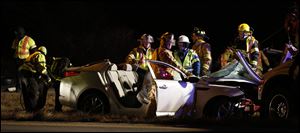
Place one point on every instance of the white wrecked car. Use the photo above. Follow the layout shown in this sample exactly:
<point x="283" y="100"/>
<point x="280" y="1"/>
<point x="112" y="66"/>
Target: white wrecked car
<point x="104" y="87"/>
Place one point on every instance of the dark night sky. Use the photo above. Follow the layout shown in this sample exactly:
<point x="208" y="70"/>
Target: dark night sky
<point x="90" y="31"/>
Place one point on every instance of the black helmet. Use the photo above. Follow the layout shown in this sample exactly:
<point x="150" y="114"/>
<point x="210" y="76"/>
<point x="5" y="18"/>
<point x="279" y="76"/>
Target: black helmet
<point x="199" y="32"/>
<point x="19" y="31"/>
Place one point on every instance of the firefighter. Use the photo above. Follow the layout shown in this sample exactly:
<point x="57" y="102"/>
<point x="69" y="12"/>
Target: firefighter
<point x="138" y="56"/>
<point x="147" y="94"/>
<point x="164" y="53"/>
<point x="203" y="49"/>
<point x="247" y="44"/>
<point x="144" y="51"/>
<point x="291" y="26"/>
<point x="188" y="58"/>
<point x="56" y="70"/>
<point x="23" y="46"/>
<point x="35" y="78"/>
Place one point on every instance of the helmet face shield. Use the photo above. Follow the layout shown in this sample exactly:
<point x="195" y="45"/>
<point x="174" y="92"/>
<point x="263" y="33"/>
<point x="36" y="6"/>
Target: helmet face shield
<point x="167" y="40"/>
<point x="146" y="40"/>
<point x="170" y="42"/>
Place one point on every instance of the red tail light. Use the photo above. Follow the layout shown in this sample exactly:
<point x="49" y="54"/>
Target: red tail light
<point x="70" y="73"/>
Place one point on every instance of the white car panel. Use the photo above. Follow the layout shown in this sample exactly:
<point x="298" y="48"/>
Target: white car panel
<point x="171" y="95"/>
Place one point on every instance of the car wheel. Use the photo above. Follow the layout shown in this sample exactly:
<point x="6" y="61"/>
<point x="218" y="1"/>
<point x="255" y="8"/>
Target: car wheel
<point x="219" y="109"/>
<point x="93" y="103"/>
<point x="277" y="106"/>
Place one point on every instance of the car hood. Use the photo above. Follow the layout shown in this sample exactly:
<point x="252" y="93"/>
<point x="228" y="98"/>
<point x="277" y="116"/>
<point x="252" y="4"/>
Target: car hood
<point x="282" y="69"/>
<point x="220" y="75"/>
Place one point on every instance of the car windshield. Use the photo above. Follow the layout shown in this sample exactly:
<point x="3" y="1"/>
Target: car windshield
<point x="237" y="69"/>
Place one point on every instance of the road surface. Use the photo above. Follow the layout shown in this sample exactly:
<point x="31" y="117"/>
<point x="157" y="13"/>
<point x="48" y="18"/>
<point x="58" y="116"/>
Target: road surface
<point x="37" y="126"/>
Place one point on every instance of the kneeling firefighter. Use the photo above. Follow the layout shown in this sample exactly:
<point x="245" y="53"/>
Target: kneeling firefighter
<point x="35" y="80"/>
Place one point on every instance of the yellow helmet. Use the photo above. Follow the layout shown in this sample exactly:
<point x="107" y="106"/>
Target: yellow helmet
<point x="43" y="49"/>
<point x="244" y="27"/>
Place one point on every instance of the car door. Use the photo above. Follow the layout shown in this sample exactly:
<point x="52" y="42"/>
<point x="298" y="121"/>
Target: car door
<point x="172" y="92"/>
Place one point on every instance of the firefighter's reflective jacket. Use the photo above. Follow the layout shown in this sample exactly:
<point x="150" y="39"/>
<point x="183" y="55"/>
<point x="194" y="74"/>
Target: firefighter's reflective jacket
<point x="190" y="61"/>
<point x="35" y="63"/>
<point x="249" y="48"/>
<point x="203" y="50"/>
<point x="138" y="56"/>
<point x="165" y="55"/>
<point x="23" y="46"/>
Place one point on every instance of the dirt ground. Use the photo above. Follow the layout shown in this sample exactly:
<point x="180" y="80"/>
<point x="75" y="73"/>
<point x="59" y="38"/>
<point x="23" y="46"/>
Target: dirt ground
<point x="11" y="109"/>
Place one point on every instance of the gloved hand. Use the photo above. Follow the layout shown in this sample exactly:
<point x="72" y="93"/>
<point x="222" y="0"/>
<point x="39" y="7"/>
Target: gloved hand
<point x="204" y="72"/>
<point x="135" y="66"/>
<point x="189" y="74"/>
<point x="47" y="78"/>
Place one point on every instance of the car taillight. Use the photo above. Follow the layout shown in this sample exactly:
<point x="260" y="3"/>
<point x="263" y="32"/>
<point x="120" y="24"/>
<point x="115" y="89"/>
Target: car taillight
<point x="70" y="73"/>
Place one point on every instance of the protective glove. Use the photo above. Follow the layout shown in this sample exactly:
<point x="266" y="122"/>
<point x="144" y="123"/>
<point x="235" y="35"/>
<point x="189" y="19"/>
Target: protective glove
<point x="47" y="78"/>
<point x="204" y="72"/>
<point x="135" y="66"/>
<point x="189" y="74"/>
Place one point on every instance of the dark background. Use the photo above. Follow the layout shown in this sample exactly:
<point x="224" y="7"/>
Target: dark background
<point x="87" y="31"/>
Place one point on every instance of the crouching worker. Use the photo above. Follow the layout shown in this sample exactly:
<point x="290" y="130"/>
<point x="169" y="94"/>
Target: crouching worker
<point x="35" y="80"/>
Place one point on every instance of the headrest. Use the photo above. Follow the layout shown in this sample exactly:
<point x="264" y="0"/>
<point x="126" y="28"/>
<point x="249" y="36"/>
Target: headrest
<point x="128" y="67"/>
<point x="113" y="67"/>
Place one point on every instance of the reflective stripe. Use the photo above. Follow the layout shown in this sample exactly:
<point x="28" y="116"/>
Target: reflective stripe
<point x="140" y="57"/>
<point x="206" y="66"/>
<point x="254" y="50"/>
<point x="254" y="63"/>
<point x="35" y="61"/>
<point x="24" y="45"/>
<point x="189" y="59"/>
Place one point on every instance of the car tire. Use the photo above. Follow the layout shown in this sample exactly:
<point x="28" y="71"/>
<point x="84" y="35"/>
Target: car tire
<point x="277" y="105"/>
<point x="93" y="103"/>
<point x="219" y="109"/>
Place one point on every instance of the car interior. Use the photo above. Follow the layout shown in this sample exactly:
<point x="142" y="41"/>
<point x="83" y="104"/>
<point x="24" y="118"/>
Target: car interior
<point x="124" y="81"/>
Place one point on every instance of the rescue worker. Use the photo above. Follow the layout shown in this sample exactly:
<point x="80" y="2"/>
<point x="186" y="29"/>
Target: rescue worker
<point x="291" y="26"/>
<point x="188" y="58"/>
<point x="247" y="44"/>
<point x="164" y="53"/>
<point x="57" y="68"/>
<point x="144" y="51"/>
<point x="203" y="49"/>
<point x="138" y="56"/>
<point x="147" y="94"/>
<point x="22" y="46"/>
<point x="33" y="74"/>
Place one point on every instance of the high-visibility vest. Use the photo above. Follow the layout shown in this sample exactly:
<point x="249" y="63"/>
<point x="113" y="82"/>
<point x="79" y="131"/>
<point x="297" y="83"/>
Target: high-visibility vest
<point x="36" y="62"/>
<point x="23" y="46"/>
<point x="166" y="55"/>
<point x="190" y="58"/>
